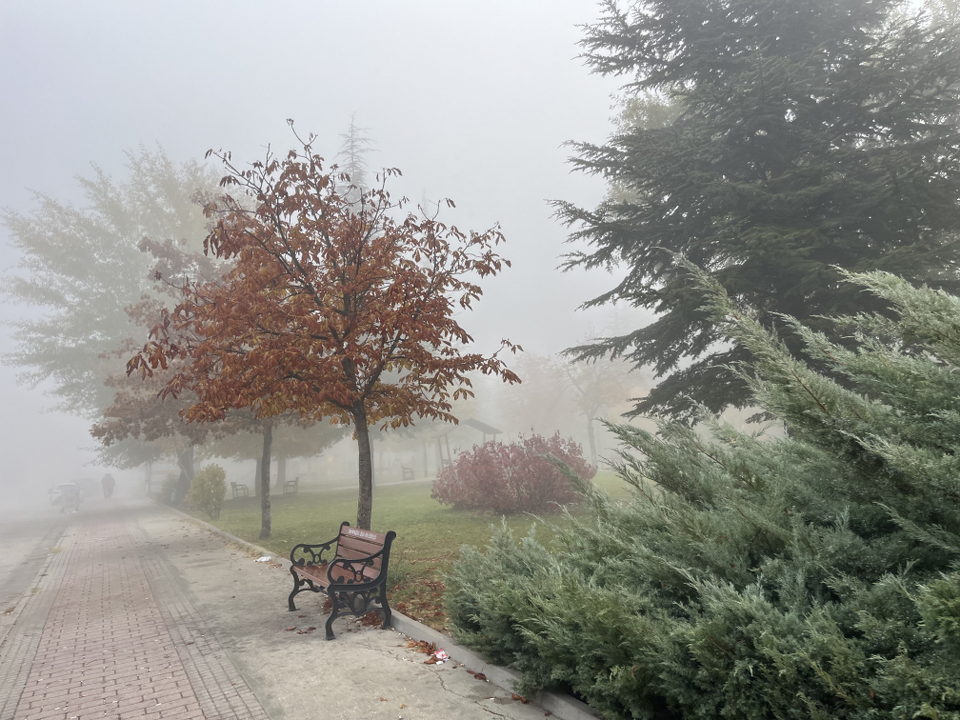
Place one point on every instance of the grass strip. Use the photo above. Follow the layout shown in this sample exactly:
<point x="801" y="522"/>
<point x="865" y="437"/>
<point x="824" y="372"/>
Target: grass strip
<point x="429" y="535"/>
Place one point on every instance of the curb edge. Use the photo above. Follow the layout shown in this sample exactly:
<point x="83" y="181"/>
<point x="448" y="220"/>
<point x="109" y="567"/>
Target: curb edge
<point x="563" y="707"/>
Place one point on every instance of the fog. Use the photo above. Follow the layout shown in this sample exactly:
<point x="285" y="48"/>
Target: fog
<point x="471" y="100"/>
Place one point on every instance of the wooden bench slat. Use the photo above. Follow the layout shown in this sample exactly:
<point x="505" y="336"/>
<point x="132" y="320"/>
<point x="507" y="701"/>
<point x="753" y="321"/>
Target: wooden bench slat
<point x="318" y="573"/>
<point x="354" y="545"/>
<point x="352" y="554"/>
<point x="360" y="544"/>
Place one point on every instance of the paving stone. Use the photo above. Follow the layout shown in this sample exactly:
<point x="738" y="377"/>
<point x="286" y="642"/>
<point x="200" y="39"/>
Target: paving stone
<point x="93" y="641"/>
<point x="145" y="615"/>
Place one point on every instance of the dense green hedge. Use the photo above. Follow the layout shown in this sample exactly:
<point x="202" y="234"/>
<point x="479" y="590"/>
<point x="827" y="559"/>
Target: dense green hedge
<point x="807" y="576"/>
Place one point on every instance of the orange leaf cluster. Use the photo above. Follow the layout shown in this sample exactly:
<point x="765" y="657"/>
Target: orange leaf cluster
<point x="333" y="306"/>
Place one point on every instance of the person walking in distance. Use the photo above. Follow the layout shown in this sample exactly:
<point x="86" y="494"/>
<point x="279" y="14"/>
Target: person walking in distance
<point x="108" y="483"/>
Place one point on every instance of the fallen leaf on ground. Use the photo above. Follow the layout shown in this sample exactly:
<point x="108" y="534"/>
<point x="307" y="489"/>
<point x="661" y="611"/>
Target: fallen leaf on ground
<point x="422" y="646"/>
<point x="370" y="619"/>
<point x="289" y="629"/>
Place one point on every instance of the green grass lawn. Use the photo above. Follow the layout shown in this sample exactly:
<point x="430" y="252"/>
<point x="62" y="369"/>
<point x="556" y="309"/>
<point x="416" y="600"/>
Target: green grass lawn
<point x="429" y="535"/>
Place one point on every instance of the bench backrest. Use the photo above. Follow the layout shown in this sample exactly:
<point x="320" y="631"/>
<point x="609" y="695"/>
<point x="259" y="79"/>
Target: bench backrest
<point x="354" y="543"/>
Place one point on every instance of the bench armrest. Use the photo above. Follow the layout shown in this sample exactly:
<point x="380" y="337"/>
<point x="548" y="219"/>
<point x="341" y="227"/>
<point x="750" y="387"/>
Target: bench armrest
<point x="305" y="554"/>
<point x="350" y="572"/>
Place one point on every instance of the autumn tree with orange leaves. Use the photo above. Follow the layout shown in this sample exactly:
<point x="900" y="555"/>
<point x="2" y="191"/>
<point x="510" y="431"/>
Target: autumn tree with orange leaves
<point x="340" y="305"/>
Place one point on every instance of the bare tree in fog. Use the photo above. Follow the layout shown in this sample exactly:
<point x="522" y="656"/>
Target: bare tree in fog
<point x="601" y="390"/>
<point x="559" y="395"/>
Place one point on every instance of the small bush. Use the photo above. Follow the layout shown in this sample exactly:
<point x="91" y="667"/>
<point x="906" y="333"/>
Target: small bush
<point x="506" y="479"/>
<point x="208" y="490"/>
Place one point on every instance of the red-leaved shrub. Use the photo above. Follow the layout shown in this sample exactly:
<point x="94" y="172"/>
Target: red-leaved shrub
<point x="513" y="478"/>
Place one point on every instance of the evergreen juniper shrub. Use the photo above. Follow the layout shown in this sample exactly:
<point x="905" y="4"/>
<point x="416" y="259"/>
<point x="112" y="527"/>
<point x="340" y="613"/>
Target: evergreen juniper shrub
<point x="815" y="575"/>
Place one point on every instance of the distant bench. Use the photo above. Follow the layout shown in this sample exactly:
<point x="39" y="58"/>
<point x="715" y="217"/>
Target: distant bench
<point x="239" y="490"/>
<point x="290" y="487"/>
<point x="407" y="473"/>
<point x="353" y="574"/>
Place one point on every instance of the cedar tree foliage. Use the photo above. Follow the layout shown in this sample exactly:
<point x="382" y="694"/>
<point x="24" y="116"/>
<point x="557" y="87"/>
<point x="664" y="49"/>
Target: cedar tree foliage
<point x="809" y="576"/>
<point x="335" y="307"/>
<point x="791" y="140"/>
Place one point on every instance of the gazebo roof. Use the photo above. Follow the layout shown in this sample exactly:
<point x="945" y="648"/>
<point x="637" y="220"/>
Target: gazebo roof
<point x="482" y="426"/>
<point x="475" y="424"/>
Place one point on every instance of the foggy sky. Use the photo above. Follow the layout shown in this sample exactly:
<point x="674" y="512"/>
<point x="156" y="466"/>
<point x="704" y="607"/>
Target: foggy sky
<point x="471" y="100"/>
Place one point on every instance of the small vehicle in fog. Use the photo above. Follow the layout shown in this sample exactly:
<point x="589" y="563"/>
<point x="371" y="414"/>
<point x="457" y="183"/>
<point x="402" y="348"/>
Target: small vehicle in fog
<point x="67" y="495"/>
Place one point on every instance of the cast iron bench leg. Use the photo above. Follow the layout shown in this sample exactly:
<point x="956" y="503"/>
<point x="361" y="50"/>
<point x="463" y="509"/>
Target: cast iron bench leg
<point x="334" y="612"/>
<point x="297" y="582"/>
<point x="387" y="612"/>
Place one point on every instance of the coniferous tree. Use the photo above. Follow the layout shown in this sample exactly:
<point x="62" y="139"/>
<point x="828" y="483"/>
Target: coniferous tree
<point x="809" y="576"/>
<point x="770" y="142"/>
<point x="352" y="156"/>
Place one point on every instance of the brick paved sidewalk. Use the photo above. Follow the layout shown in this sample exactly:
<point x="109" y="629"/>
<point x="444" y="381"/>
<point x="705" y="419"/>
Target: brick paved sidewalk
<point x="96" y="643"/>
<point x="140" y="613"/>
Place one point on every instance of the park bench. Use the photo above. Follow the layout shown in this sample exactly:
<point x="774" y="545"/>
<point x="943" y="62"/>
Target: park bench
<point x="290" y="487"/>
<point x="239" y="490"/>
<point x="407" y="473"/>
<point x="351" y="569"/>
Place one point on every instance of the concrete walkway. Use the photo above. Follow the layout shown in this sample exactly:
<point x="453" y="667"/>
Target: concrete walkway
<point x="139" y="613"/>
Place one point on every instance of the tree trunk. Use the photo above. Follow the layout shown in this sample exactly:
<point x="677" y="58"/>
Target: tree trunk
<point x="265" y="481"/>
<point x="185" y="461"/>
<point x="256" y="476"/>
<point x="593" y="442"/>
<point x="365" y="499"/>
